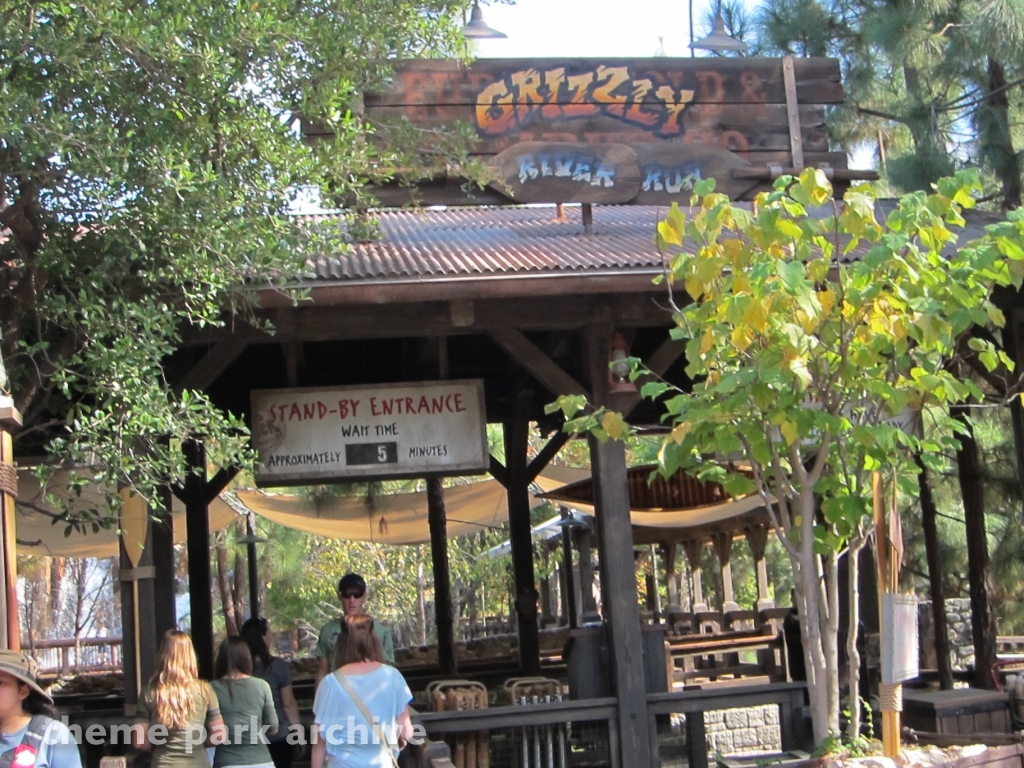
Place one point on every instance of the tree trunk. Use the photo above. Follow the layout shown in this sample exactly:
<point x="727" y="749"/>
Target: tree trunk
<point x="929" y="514"/>
<point x="998" y="139"/>
<point x="852" y="634"/>
<point x="237" y="590"/>
<point x="983" y="619"/>
<point x="421" y="596"/>
<point x="227" y="605"/>
<point x="816" y="593"/>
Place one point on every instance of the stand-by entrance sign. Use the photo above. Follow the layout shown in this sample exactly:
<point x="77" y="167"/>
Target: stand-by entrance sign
<point x="389" y="430"/>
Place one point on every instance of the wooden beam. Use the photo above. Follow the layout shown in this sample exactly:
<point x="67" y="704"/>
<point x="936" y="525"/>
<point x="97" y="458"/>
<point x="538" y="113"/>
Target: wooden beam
<point x="197" y="525"/>
<point x="498" y="471"/>
<point x="214" y="363"/>
<point x="162" y="545"/>
<point x="10" y="633"/>
<point x="793" y="112"/>
<point x="536" y="363"/>
<point x="443" y="615"/>
<point x="521" y="539"/>
<point x="219" y="482"/>
<point x="547" y="453"/>
<point x="618" y="581"/>
<point x="657" y="363"/>
<point x="417" y="316"/>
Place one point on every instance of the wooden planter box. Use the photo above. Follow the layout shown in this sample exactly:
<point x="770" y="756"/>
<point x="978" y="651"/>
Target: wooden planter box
<point x="964" y="711"/>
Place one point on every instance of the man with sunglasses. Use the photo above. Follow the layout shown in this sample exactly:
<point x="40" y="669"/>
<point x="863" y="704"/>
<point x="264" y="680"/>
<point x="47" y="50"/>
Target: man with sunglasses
<point x="352" y="595"/>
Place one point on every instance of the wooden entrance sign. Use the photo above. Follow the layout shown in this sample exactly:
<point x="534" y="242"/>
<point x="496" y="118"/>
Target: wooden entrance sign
<point x="706" y="105"/>
<point x="644" y="174"/>
<point x="542" y="172"/>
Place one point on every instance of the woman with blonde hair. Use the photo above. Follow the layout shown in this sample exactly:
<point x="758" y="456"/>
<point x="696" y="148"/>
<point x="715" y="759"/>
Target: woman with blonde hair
<point x="361" y="712"/>
<point x="178" y="712"/>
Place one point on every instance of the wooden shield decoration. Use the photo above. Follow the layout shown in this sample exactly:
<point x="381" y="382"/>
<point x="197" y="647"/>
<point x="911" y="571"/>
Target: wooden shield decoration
<point x="667" y="172"/>
<point x="134" y="524"/>
<point x="567" y="172"/>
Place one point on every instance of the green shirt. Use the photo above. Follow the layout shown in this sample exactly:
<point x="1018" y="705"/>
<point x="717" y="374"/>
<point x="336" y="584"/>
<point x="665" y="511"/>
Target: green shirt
<point x="329" y="638"/>
<point x="244" y="704"/>
<point x="177" y="752"/>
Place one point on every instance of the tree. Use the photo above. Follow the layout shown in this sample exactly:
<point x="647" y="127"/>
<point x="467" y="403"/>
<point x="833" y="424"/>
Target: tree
<point x="805" y="361"/>
<point x="150" y="159"/>
<point x="935" y="84"/>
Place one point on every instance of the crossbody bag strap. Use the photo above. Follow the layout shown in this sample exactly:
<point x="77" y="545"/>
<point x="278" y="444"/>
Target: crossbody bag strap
<point x="365" y="712"/>
<point x="31" y="741"/>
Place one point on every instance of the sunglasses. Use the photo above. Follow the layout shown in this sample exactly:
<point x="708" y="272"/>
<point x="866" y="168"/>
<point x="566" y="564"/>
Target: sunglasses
<point x="351" y="595"/>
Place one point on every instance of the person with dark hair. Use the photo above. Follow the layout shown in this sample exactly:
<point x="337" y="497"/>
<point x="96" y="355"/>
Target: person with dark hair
<point x="246" y="704"/>
<point x="352" y="594"/>
<point x="260" y="637"/>
<point x="179" y="701"/>
<point x="30" y="734"/>
<point x="361" y="711"/>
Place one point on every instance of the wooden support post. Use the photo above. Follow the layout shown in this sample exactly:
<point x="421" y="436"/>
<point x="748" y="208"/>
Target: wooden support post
<point x="588" y="606"/>
<point x="793" y="113"/>
<point x="722" y="543"/>
<point x="887" y="577"/>
<point x="693" y="549"/>
<point x="254" y="569"/>
<point x="443" y="614"/>
<point x="197" y="527"/>
<point x="618" y="589"/>
<point x="516" y="433"/>
<point x="569" y="588"/>
<point x="10" y="634"/>
<point x="757" y="538"/>
<point x="981" y="586"/>
<point x="618" y="596"/>
<point x="138" y="603"/>
<point x="161" y="536"/>
<point x="669" y="549"/>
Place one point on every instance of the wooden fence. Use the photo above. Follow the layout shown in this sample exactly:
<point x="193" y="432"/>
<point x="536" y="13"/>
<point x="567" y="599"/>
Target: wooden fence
<point x="70" y="656"/>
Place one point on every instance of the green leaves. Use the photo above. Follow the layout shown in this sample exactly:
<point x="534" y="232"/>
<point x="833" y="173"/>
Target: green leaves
<point x="794" y="352"/>
<point x="158" y="148"/>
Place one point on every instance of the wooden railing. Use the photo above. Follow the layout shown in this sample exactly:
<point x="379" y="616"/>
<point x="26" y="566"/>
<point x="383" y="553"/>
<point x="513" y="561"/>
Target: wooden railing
<point x="69" y="656"/>
<point x="522" y="723"/>
<point x="1010" y="644"/>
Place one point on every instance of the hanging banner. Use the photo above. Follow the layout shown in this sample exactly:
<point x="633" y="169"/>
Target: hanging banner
<point x="318" y="435"/>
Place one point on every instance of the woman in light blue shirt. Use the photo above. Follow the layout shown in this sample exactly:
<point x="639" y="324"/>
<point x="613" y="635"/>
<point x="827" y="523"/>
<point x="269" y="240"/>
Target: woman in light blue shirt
<point x="362" y="686"/>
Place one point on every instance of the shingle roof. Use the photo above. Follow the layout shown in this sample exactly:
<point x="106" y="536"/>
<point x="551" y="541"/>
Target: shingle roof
<point x="500" y="241"/>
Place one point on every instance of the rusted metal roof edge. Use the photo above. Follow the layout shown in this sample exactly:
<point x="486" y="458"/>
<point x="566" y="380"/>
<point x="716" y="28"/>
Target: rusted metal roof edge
<point x="408" y="289"/>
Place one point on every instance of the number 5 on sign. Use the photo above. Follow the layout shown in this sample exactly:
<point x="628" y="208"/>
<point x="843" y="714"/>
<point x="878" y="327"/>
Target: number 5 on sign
<point x="361" y="454"/>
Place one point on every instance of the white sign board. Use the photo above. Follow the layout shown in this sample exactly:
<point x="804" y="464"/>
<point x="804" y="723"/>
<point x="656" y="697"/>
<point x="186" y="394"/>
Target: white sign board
<point x="899" y="638"/>
<point x="387" y="430"/>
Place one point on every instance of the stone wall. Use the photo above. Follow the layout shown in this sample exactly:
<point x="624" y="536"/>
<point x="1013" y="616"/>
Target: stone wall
<point x="958" y="629"/>
<point x="746" y="731"/>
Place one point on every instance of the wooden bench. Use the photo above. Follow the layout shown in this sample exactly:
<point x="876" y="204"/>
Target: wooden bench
<point x="687" y="650"/>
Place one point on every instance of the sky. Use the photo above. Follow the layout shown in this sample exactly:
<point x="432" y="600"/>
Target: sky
<point x="591" y="27"/>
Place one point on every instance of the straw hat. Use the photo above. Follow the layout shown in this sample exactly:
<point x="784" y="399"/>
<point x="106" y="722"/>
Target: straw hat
<point x="24" y="668"/>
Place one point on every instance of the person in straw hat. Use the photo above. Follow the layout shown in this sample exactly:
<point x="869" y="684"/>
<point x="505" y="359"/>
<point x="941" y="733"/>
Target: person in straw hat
<point x="30" y="734"/>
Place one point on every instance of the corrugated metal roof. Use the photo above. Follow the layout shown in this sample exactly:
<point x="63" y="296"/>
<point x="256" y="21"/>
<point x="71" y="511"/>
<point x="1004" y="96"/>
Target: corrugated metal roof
<point x="496" y="241"/>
